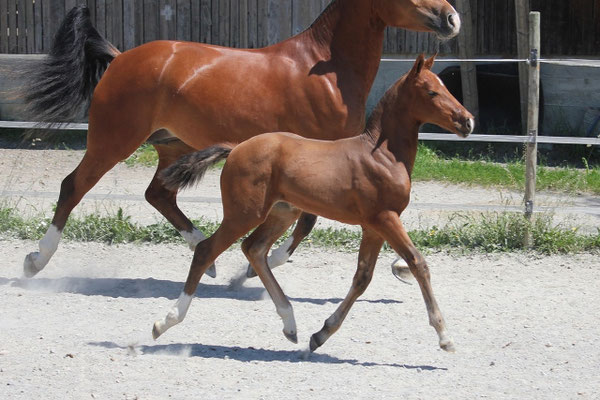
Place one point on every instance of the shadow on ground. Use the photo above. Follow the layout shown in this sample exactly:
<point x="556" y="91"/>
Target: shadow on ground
<point x="153" y="288"/>
<point x="250" y="354"/>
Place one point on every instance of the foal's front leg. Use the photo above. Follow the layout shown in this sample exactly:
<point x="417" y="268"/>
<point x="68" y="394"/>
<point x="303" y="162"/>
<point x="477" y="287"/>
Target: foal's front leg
<point x="370" y="246"/>
<point x="394" y="233"/>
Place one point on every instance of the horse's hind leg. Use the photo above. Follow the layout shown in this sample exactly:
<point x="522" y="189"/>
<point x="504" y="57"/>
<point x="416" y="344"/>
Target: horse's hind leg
<point x="165" y="200"/>
<point x="370" y="246"/>
<point x="257" y="245"/>
<point x="91" y="168"/>
<point x="283" y="213"/>
<point x="280" y="255"/>
<point x="394" y="233"/>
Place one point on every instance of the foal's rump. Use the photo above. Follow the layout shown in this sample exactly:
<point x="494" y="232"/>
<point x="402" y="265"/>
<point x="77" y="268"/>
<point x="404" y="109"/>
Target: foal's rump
<point x="279" y="166"/>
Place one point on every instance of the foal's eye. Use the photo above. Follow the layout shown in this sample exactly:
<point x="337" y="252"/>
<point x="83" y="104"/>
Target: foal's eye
<point x="432" y="93"/>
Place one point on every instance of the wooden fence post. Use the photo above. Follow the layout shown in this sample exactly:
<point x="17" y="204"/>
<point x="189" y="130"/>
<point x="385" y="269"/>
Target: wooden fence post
<point x="468" y="70"/>
<point x="532" y="117"/>
<point x="522" y="11"/>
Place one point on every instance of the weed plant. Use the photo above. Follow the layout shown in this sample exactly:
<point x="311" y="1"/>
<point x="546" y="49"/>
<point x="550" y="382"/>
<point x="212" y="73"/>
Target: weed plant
<point x="492" y="232"/>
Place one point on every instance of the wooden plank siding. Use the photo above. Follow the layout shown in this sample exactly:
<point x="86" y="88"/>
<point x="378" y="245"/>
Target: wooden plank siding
<point x="569" y="28"/>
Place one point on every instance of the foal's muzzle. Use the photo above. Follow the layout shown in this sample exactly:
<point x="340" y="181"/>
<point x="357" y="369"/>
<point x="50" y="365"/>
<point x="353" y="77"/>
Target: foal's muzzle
<point x="465" y="127"/>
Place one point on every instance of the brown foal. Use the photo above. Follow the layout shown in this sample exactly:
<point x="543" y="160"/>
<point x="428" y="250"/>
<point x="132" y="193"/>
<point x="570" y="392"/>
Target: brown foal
<point x="364" y="180"/>
<point x="185" y="96"/>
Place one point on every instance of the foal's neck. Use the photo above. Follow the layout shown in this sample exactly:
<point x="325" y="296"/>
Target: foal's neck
<point x="349" y="34"/>
<point x="392" y="130"/>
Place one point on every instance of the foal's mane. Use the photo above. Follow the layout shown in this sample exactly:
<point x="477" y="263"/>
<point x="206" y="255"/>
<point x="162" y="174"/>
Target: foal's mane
<point x="324" y="13"/>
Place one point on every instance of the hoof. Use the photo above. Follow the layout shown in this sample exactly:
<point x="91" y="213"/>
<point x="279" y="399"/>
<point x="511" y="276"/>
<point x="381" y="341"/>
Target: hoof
<point x="250" y="272"/>
<point x="402" y="273"/>
<point x="155" y="332"/>
<point x="447" y="345"/>
<point x="292" y="337"/>
<point x="29" y="267"/>
<point x="212" y="271"/>
<point x="314" y="344"/>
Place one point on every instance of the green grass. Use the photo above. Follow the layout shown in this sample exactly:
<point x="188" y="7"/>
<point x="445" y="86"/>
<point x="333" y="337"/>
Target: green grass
<point x="494" y="232"/>
<point x="430" y="166"/>
<point x="145" y="156"/>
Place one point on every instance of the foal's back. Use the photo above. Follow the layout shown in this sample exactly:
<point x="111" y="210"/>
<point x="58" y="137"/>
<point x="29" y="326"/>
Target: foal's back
<point x="341" y="179"/>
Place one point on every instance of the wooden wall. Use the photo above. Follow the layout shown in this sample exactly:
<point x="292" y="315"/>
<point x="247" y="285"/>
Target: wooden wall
<point x="27" y="26"/>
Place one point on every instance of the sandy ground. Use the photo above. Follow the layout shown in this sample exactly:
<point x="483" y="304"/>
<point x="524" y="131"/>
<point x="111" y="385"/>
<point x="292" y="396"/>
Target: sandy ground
<point x="525" y="327"/>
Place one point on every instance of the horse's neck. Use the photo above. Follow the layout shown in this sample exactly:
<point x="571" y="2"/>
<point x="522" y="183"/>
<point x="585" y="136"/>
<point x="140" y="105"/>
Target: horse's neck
<point x="393" y="132"/>
<point x="350" y="35"/>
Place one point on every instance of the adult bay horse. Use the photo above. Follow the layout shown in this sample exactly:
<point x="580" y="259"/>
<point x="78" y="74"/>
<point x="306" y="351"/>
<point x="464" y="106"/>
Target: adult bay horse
<point x="184" y="96"/>
<point x="363" y="180"/>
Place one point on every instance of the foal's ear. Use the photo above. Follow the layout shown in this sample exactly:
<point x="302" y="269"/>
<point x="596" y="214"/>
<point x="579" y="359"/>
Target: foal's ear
<point x="429" y="62"/>
<point x="416" y="69"/>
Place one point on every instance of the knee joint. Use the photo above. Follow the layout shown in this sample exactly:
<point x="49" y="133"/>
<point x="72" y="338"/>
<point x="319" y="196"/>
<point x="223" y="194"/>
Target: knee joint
<point x="253" y="249"/>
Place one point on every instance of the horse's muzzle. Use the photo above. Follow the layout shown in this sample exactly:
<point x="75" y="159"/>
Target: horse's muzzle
<point x="446" y="25"/>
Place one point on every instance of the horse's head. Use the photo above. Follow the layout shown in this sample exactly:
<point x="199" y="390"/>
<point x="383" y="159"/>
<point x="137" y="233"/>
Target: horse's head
<point x="431" y="102"/>
<point x="420" y="15"/>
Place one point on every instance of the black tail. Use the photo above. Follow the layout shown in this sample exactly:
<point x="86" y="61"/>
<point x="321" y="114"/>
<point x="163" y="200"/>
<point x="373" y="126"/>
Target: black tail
<point x="190" y="168"/>
<point x="58" y="90"/>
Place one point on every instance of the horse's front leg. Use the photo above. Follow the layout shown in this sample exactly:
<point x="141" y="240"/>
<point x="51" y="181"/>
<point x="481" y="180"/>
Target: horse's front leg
<point x="370" y="246"/>
<point x="394" y="233"/>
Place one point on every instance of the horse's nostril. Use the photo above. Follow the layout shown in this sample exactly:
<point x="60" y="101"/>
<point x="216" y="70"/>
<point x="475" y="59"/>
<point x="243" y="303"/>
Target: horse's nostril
<point x="452" y="20"/>
<point x="470" y="124"/>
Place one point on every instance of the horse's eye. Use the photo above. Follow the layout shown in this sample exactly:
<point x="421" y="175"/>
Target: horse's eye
<point x="432" y="93"/>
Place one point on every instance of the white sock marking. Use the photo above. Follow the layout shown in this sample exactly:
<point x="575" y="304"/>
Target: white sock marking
<point x="193" y="238"/>
<point x="48" y="246"/>
<point x="287" y="315"/>
<point x="280" y="255"/>
<point x="176" y="314"/>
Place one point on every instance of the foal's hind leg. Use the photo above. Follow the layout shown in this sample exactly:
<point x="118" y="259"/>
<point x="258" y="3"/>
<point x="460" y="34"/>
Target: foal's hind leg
<point x="165" y="200"/>
<point x="393" y="231"/>
<point x="257" y="245"/>
<point x="91" y="168"/>
<point x="281" y="254"/>
<point x="370" y="246"/>
<point x="205" y="254"/>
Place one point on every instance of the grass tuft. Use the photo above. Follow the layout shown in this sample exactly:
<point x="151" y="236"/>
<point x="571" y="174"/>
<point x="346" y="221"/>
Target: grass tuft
<point x="493" y="232"/>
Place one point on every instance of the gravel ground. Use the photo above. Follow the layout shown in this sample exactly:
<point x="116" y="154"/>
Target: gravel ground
<point x="525" y="327"/>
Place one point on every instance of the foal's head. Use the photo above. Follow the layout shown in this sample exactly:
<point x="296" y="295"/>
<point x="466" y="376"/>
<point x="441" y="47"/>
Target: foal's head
<point x="431" y="102"/>
<point x="420" y="15"/>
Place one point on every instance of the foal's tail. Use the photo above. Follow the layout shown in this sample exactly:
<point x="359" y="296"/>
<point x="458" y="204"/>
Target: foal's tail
<point x="190" y="168"/>
<point x="57" y="89"/>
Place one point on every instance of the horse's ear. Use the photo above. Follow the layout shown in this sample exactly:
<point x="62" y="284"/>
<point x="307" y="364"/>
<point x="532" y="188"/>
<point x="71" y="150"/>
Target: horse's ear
<point x="416" y="69"/>
<point x="429" y="63"/>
